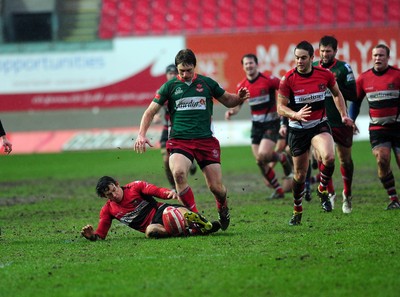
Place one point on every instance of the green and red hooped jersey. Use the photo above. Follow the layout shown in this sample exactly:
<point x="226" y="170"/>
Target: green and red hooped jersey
<point x="190" y="105"/>
<point x="347" y="84"/>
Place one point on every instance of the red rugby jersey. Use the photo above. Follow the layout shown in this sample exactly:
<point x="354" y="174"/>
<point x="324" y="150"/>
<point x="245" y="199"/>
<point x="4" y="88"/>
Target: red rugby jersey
<point x="382" y="90"/>
<point x="307" y="89"/>
<point x="262" y="99"/>
<point x="136" y="209"/>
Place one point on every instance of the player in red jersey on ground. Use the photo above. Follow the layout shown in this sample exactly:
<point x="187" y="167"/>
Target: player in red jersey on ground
<point x="134" y="206"/>
<point x="301" y="98"/>
<point x="381" y="86"/>
<point x="265" y="121"/>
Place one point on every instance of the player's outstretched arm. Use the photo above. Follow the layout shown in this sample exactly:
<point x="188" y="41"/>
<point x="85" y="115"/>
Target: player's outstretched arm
<point x="88" y="233"/>
<point x="147" y="118"/>
<point x="232" y="100"/>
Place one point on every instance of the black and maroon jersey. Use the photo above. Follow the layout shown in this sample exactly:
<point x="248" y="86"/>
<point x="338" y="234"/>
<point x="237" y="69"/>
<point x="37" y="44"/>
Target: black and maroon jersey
<point x="382" y="91"/>
<point x="262" y="99"/>
<point x="307" y="89"/>
<point x="136" y="209"/>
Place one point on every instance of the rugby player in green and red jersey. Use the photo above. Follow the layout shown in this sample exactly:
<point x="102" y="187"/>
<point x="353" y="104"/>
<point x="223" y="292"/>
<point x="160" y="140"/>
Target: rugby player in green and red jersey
<point x="189" y="98"/>
<point x="342" y="134"/>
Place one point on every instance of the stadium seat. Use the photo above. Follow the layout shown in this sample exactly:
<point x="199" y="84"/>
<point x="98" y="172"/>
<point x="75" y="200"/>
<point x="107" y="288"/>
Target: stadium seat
<point x="124" y="25"/>
<point x="292" y="16"/>
<point x="393" y="15"/>
<point x="259" y="15"/>
<point x="276" y="14"/>
<point x="243" y="18"/>
<point x="344" y="14"/>
<point x="326" y="14"/>
<point x="310" y="13"/>
<point x="360" y="12"/>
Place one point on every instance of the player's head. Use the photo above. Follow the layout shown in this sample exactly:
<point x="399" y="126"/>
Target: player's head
<point x="327" y="49"/>
<point x="329" y="41"/>
<point x="108" y="187"/>
<point x="304" y="54"/>
<point x="380" y="57"/>
<point x="250" y="56"/>
<point x="185" y="57"/>
<point x="185" y="61"/>
<point x="249" y="63"/>
<point x="171" y="71"/>
<point x="103" y="185"/>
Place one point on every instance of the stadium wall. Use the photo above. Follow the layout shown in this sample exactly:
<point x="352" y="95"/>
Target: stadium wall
<point x="51" y="88"/>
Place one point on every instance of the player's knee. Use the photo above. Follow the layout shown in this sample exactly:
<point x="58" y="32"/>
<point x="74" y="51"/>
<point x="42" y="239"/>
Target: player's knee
<point x="179" y="176"/>
<point x="153" y="231"/>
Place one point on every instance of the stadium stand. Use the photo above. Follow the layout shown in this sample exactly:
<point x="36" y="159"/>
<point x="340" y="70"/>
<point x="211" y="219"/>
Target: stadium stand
<point x="163" y="17"/>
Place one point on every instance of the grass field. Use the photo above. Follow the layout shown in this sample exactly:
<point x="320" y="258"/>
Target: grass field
<point x="46" y="199"/>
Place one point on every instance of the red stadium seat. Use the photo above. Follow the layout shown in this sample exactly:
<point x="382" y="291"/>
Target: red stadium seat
<point x="293" y="15"/>
<point x="276" y="14"/>
<point x="310" y="13"/>
<point x="243" y="18"/>
<point x="393" y="9"/>
<point x="326" y="13"/>
<point x="344" y="14"/>
<point x="360" y="12"/>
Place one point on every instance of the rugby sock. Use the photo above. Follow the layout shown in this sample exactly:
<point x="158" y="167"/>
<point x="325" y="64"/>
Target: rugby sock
<point x="297" y="190"/>
<point x="187" y="199"/>
<point x="389" y="185"/>
<point x="271" y="177"/>
<point x="221" y="202"/>
<point x="308" y="177"/>
<point x="347" y="176"/>
<point x="326" y="175"/>
<point x="331" y="188"/>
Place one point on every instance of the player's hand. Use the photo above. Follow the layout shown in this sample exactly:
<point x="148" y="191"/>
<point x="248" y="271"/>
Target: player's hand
<point x="356" y="131"/>
<point x="7" y="145"/>
<point x="140" y="144"/>
<point x="88" y="232"/>
<point x="348" y="122"/>
<point x="283" y="130"/>
<point x="228" y="114"/>
<point x="303" y="113"/>
<point x="243" y="94"/>
<point x="172" y="195"/>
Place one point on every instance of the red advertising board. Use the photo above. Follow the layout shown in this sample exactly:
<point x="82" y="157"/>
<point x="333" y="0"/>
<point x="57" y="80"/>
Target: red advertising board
<point x="219" y="55"/>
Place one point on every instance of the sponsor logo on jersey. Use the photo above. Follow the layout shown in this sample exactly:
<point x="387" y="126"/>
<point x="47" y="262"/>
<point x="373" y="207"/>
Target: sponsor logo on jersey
<point x="178" y="91"/>
<point x="199" y="88"/>
<point x="350" y="77"/>
<point x="309" y="98"/>
<point x="259" y="100"/>
<point x="191" y="103"/>
<point x="383" y="95"/>
<point x="322" y="87"/>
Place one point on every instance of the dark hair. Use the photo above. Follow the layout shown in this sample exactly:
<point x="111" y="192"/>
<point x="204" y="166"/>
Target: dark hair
<point x="185" y="57"/>
<point x="171" y="68"/>
<point x="305" y="45"/>
<point x="329" y="40"/>
<point x="250" y="56"/>
<point x="385" y="47"/>
<point x="102" y="185"/>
